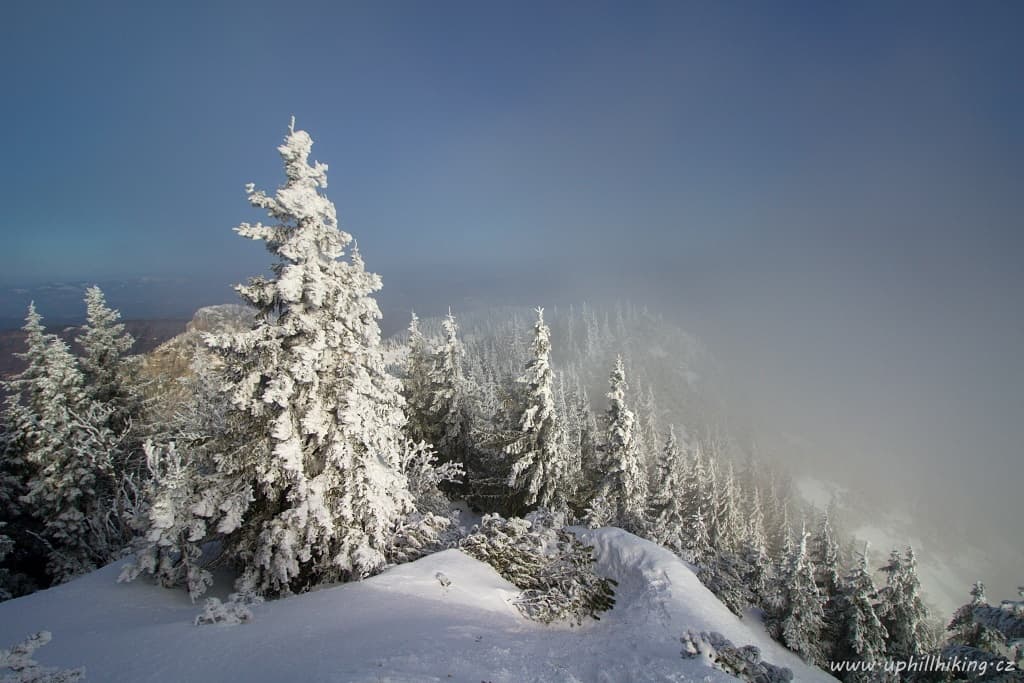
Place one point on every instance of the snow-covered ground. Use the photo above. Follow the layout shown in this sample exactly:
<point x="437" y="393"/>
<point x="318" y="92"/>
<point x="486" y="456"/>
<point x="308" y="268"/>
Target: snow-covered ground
<point x="402" y="625"/>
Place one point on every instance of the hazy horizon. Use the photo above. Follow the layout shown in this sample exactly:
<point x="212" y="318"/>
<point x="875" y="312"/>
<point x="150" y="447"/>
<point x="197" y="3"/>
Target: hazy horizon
<point x="828" y="195"/>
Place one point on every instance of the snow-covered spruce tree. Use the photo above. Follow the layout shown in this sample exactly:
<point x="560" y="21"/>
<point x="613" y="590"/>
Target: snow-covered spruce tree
<point x="104" y="342"/>
<point x="624" y="486"/>
<point x="321" y="418"/>
<point x="798" y="620"/>
<point x="698" y="540"/>
<point x="725" y="570"/>
<point x="901" y="609"/>
<point x="754" y="549"/>
<point x="416" y="385"/>
<point x="965" y="631"/>
<point x="860" y="635"/>
<point x="572" y="429"/>
<point x="21" y="553"/>
<point x="668" y="515"/>
<point x="724" y="573"/>
<point x="1006" y="620"/>
<point x="72" y="488"/>
<point x="541" y="466"/>
<point x="729" y="531"/>
<point x="591" y="470"/>
<point x="778" y="516"/>
<point x="448" y="396"/>
<point x="825" y="559"/>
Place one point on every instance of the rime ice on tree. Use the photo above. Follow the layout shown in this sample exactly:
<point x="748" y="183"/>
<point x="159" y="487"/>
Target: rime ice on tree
<point x="541" y="467"/>
<point x="324" y="416"/>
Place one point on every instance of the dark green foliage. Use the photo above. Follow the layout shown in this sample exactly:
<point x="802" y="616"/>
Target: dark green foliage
<point x="724" y="575"/>
<point x="553" y="569"/>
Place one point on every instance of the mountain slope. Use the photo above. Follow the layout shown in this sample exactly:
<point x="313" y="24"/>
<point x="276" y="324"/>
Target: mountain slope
<point x="402" y="625"/>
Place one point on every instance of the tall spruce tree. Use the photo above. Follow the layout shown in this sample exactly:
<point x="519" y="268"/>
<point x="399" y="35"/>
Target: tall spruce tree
<point x="668" y="514"/>
<point x="541" y="467"/>
<point x="825" y="559"/>
<point x="104" y="342"/>
<point x="625" y="485"/>
<point x="315" y="490"/>
<point x="72" y="487"/>
<point x="966" y="631"/>
<point x="799" y="622"/>
<point x="901" y="609"/>
<point x="730" y="529"/>
<point x="754" y="550"/>
<point x="448" y="395"/>
<point x="860" y="635"/>
<point x="416" y="384"/>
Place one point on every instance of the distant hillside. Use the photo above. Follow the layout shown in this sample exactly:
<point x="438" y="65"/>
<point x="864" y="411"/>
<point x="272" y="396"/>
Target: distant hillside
<point x="148" y="334"/>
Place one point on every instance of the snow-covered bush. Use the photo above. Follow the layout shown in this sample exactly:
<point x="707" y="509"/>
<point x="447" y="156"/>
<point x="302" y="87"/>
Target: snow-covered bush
<point x="174" y="527"/>
<point x="234" y="611"/>
<point x="553" y="568"/>
<point x="419" y="463"/>
<point x="18" y="666"/>
<point x="422" y="533"/>
<point x="599" y="513"/>
<point x="742" y="662"/>
<point x="430" y="528"/>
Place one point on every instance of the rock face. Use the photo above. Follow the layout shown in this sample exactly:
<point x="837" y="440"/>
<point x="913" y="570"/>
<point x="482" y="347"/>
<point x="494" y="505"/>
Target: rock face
<point x="222" y="318"/>
<point x="174" y="357"/>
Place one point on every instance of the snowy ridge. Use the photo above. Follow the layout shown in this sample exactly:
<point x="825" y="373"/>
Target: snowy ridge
<point x="403" y="625"/>
<point x="660" y="593"/>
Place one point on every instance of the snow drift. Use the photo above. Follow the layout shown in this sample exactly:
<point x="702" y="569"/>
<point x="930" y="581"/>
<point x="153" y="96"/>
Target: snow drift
<point x="445" y="617"/>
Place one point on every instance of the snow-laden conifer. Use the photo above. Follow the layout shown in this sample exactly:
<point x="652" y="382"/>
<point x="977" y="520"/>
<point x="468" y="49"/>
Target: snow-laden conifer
<point x="860" y="635"/>
<point x="668" y="513"/>
<point x="540" y="470"/>
<point x="104" y="342"/>
<point x="698" y="538"/>
<point x="901" y="609"/>
<point x="966" y="631"/>
<point x="72" y="489"/>
<point x="448" y="395"/>
<point x="175" y="524"/>
<point x="729" y="529"/>
<point x="754" y="550"/>
<point x="825" y="559"/>
<point x="624" y="486"/>
<point x="416" y="384"/>
<point x="321" y="436"/>
<point x="798" y="618"/>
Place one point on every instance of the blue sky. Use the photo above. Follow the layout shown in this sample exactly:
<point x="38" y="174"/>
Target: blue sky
<point x="471" y="132"/>
<point x="831" y="193"/>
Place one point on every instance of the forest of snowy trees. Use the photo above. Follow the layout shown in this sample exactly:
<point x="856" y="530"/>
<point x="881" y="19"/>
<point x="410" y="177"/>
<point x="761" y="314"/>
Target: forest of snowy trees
<point x="307" y="450"/>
